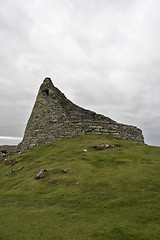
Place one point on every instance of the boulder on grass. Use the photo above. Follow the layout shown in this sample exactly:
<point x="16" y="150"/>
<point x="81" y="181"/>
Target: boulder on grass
<point x="40" y="173"/>
<point x="64" y="170"/>
<point x="102" y="146"/>
<point x="10" y="172"/>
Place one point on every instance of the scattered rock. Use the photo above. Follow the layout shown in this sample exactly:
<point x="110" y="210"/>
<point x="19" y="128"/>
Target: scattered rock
<point x="105" y="146"/>
<point x="9" y="161"/>
<point x="20" y="168"/>
<point x="102" y="146"/>
<point x="5" y="160"/>
<point x="117" y="145"/>
<point x="41" y="173"/>
<point x="4" y="151"/>
<point x="64" y="171"/>
<point x="10" y="172"/>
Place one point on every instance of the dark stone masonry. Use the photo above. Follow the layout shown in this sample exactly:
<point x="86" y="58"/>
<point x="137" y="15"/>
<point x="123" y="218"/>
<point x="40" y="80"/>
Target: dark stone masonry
<point x="54" y="117"/>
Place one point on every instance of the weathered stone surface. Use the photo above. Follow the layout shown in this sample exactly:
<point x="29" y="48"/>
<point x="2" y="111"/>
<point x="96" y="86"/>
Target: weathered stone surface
<point x="54" y="117"/>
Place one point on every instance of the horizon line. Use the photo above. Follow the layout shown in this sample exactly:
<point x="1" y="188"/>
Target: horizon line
<point x="10" y="138"/>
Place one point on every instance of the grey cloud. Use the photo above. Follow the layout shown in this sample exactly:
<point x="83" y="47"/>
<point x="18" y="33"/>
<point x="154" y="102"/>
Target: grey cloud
<point x="104" y="55"/>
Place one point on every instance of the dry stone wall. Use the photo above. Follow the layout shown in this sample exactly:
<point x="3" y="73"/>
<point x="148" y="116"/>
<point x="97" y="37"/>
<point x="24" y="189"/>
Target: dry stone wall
<point x="54" y="117"/>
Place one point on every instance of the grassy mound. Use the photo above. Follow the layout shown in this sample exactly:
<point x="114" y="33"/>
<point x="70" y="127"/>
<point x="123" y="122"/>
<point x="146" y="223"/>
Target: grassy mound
<point x="113" y="194"/>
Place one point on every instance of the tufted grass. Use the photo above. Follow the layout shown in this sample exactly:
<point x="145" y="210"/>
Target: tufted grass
<point x="112" y="194"/>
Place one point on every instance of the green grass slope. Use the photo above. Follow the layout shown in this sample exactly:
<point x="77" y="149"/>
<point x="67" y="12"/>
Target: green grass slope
<point x="113" y="194"/>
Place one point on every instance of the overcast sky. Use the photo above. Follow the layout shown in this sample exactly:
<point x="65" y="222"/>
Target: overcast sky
<point x="104" y="55"/>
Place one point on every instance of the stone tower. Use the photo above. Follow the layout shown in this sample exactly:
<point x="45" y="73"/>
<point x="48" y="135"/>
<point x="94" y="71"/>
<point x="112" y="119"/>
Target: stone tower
<point x="54" y="117"/>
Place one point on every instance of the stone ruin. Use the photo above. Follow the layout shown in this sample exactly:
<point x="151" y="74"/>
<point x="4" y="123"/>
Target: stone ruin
<point x="54" y="117"/>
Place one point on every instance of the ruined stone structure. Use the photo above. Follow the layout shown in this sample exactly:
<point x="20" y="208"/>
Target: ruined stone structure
<point x="54" y="117"/>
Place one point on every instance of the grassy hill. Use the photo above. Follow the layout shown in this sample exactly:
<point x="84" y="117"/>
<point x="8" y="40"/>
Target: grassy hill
<point x="113" y="194"/>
